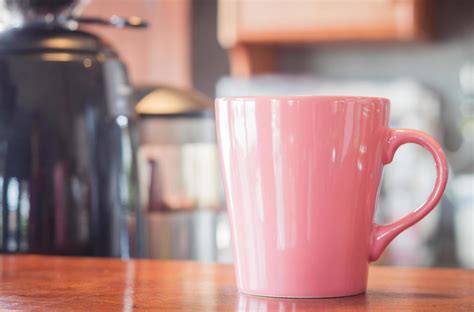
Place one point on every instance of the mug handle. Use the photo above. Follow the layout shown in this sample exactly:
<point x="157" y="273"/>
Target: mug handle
<point x="382" y="235"/>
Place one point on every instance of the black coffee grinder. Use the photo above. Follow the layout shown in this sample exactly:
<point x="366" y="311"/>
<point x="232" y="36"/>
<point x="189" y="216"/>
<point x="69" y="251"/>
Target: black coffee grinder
<point x="68" y="174"/>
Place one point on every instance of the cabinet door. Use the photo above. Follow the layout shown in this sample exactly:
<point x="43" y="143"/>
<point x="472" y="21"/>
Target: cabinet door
<point x="284" y="21"/>
<point x="250" y="29"/>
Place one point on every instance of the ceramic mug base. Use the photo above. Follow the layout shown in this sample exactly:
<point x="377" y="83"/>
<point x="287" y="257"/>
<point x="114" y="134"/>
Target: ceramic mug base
<point x="303" y="297"/>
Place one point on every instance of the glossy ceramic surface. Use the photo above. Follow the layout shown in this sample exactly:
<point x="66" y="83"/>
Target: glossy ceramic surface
<point x="302" y="175"/>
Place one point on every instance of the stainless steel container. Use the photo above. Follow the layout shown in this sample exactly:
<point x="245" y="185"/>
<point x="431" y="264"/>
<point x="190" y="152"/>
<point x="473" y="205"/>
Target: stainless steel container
<point x="179" y="167"/>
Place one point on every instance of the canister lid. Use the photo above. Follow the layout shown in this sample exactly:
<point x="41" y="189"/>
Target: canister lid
<point x="51" y="38"/>
<point x="166" y="101"/>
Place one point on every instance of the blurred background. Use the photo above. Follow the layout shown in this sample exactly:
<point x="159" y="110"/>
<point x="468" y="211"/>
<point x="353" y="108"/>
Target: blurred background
<point x="107" y="143"/>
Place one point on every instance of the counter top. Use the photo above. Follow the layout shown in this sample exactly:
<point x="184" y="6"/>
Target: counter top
<point x="98" y="284"/>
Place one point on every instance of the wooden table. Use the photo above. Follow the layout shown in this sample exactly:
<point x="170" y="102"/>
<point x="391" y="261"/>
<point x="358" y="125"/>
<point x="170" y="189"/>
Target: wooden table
<point x="61" y="283"/>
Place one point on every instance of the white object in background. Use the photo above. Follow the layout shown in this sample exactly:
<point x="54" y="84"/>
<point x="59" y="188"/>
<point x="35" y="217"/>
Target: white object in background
<point x="409" y="179"/>
<point x="463" y="189"/>
<point x="466" y="78"/>
<point x="223" y="239"/>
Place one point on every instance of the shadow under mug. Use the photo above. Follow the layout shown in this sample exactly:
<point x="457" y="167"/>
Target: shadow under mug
<point x="302" y="176"/>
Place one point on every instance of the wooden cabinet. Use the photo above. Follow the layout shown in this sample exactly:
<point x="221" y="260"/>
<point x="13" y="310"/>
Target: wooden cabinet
<point x="248" y="27"/>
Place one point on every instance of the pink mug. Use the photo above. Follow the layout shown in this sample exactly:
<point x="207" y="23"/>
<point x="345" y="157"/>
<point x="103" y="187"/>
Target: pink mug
<point x="302" y="176"/>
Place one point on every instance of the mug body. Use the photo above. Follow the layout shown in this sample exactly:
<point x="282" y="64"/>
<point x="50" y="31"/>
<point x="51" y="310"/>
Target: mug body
<point x="301" y="175"/>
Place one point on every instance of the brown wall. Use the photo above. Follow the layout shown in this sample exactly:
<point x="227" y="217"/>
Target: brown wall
<point x="160" y="54"/>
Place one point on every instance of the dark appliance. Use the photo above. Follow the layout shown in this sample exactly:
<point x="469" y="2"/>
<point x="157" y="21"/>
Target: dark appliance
<point x="68" y="173"/>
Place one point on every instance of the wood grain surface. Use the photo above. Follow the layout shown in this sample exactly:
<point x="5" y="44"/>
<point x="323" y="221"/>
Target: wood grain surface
<point x="91" y="284"/>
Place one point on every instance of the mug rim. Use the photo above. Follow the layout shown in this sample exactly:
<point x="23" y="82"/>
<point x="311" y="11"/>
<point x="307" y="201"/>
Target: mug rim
<point x="374" y="99"/>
